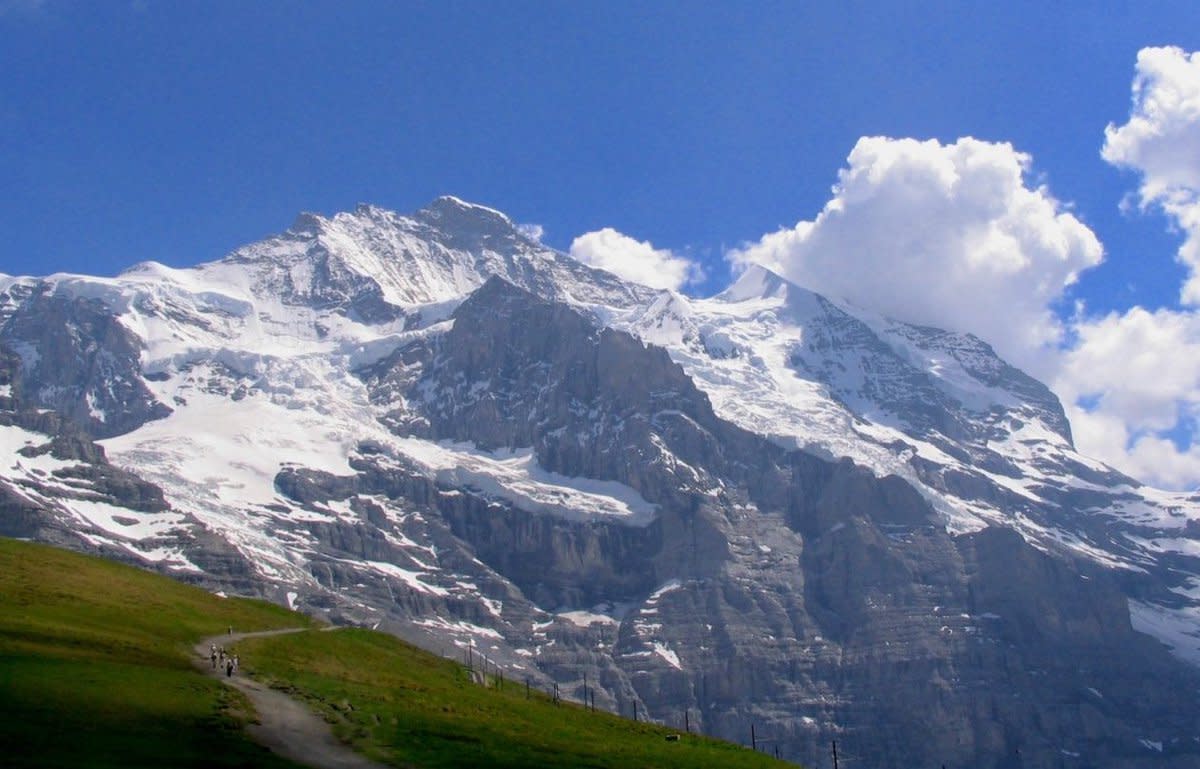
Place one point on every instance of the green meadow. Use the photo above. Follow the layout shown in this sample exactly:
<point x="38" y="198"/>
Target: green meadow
<point x="96" y="671"/>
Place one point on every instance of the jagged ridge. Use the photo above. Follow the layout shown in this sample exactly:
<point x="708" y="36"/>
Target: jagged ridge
<point x="381" y="432"/>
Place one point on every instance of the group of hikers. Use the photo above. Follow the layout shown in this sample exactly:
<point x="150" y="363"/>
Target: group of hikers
<point x="227" y="662"/>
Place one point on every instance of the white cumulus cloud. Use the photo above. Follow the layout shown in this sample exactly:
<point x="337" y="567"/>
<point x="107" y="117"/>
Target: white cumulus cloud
<point x="1161" y="142"/>
<point x="956" y="236"/>
<point x="1144" y="366"/>
<point x="635" y="260"/>
<point x="950" y="235"/>
<point x="1131" y="380"/>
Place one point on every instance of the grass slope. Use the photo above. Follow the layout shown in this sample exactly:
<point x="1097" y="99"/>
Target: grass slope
<point x="404" y="706"/>
<point x="95" y="666"/>
<point x="95" y="671"/>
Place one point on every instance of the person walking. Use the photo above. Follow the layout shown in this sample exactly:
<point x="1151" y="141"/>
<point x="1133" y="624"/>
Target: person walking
<point x="229" y="668"/>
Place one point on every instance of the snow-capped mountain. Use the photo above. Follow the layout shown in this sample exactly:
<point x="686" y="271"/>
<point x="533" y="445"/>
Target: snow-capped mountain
<point x="983" y="442"/>
<point x="763" y="507"/>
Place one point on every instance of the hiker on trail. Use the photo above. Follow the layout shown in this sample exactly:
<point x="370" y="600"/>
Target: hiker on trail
<point x="231" y="630"/>
<point x="229" y="668"/>
<point x="235" y="663"/>
<point x="214" y="658"/>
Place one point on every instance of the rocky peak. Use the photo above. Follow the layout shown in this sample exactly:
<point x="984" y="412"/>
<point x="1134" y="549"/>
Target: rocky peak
<point x="508" y="344"/>
<point x="979" y="361"/>
<point x="376" y="264"/>
<point x="470" y="227"/>
<point x="929" y="382"/>
<point x="454" y="214"/>
<point x="307" y="224"/>
<point x="501" y="297"/>
<point x="757" y="282"/>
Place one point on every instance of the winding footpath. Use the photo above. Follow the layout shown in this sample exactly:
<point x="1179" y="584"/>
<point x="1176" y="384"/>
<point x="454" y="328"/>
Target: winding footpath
<point x="286" y="726"/>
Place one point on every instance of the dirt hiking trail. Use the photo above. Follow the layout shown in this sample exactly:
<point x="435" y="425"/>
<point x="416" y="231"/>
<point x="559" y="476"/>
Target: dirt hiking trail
<point x="286" y="726"/>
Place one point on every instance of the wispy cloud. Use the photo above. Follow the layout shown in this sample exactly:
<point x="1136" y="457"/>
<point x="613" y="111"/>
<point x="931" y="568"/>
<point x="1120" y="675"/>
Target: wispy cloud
<point x="532" y="231"/>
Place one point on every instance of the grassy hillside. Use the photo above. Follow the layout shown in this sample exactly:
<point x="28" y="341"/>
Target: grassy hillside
<point x="402" y="705"/>
<point x="95" y="668"/>
<point x="95" y="671"/>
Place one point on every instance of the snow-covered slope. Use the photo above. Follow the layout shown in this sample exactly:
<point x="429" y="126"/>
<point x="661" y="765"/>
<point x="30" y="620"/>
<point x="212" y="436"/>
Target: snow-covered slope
<point x="982" y="441"/>
<point x="434" y="423"/>
<point x="250" y="363"/>
<point x="374" y="264"/>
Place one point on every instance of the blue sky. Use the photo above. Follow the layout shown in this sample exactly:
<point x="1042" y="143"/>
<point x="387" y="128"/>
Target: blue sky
<point x="176" y="131"/>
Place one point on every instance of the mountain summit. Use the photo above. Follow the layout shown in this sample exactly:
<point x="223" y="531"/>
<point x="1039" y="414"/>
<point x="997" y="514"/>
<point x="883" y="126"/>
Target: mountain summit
<point x="764" y="507"/>
<point x="388" y="264"/>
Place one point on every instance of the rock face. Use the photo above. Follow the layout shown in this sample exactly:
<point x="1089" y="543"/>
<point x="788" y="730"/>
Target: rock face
<point x="77" y="359"/>
<point x="985" y="444"/>
<point x="62" y="489"/>
<point x="868" y="615"/>
<point x="762" y="509"/>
